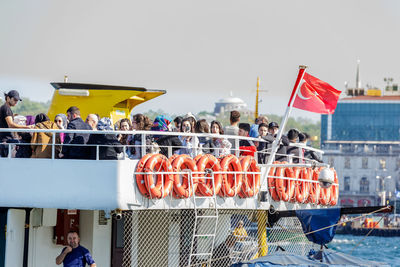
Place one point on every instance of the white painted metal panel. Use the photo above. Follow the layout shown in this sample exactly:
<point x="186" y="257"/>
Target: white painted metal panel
<point x="15" y="238"/>
<point x="93" y="185"/>
<point x="63" y="184"/>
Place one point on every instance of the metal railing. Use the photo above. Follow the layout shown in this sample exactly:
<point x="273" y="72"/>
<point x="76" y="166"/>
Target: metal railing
<point x="143" y="146"/>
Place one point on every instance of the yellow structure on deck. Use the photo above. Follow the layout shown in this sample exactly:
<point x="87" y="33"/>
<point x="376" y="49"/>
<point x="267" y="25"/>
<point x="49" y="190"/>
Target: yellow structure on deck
<point x="111" y="101"/>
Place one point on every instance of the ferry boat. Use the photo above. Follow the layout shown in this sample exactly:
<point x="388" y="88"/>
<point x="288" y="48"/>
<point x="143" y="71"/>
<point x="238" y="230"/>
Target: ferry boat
<point x="142" y="213"/>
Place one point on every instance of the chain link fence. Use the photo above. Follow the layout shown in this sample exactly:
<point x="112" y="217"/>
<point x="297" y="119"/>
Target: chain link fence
<point x="184" y="238"/>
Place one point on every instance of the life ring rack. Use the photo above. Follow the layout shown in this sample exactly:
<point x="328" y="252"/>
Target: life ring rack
<point x="157" y="177"/>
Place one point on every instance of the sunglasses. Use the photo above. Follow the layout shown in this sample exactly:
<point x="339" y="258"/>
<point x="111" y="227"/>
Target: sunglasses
<point x="58" y="120"/>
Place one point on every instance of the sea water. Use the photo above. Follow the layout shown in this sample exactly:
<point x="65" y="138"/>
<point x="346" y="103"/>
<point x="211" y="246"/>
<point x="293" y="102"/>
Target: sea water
<point x="376" y="248"/>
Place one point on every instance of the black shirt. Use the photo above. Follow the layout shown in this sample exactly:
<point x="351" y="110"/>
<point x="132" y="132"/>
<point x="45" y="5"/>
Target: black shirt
<point x="76" y="152"/>
<point x="169" y="140"/>
<point x="5" y="111"/>
<point x="295" y="151"/>
<point x="109" y="151"/>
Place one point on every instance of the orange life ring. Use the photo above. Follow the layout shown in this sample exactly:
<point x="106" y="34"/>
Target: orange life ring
<point x="171" y="159"/>
<point x="297" y="175"/>
<point x="231" y="183"/>
<point x="205" y="186"/>
<point x="184" y="189"/>
<point x="302" y="188"/>
<point x="315" y="188"/>
<point x="334" y="190"/>
<point x="284" y="187"/>
<point x="174" y="156"/>
<point x="251" y="182"/>
<point x="140" y="177"/>
<point x="324" y="195"/>
<point x="163" y="185"/>
<point x="271" y="182"/>
<point x="196" y="159"/>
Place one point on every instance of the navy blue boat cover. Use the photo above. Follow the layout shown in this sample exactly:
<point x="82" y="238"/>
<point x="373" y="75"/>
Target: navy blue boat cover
<point x="321" y="258"/>
<point x="336" y="258"/>
<point x="312" y="220"/>
<point x="280" y="259"/>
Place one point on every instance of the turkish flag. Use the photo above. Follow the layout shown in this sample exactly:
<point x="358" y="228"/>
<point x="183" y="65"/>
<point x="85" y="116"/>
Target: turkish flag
<point x="314" y="95"/>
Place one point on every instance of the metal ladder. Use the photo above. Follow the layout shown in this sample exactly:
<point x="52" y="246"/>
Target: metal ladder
<point x="199" y="218"/>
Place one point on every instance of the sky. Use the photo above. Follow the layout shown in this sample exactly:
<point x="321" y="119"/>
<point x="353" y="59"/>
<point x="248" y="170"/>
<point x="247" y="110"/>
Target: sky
<point x="198" y="51"/>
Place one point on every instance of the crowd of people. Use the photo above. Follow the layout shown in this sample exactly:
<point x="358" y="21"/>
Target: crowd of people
<point x="114" y="146"/>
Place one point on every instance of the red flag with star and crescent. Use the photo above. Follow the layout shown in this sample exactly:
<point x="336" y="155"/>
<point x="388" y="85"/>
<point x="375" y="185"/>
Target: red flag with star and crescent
<point x="314" y="95"/>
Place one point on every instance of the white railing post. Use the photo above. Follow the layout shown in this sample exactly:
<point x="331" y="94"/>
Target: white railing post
<point x="169" y="151"/>
<point x="290" y="158"/>
<point x="194" y="148"/>
<point x="124" y="152"/>
<point x="143" y="148"/>
<point x="9" y="150"/>
<point x="237" y="148"/>
<point x="53" y="146"/>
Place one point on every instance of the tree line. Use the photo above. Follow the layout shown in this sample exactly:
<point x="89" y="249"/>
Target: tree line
<point x="30" y="107"/>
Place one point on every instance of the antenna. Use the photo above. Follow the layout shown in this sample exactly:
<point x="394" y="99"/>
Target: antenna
<point x="257" y="98"/>
<point x="258" y="90"/>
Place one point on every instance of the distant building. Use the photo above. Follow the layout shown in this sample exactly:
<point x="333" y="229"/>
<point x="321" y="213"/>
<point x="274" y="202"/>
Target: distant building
<point x="361" y="140"/>
<point x="229" y="104"/>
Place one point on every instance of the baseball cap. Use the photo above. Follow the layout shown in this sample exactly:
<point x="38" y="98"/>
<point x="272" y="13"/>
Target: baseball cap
<point x="14" y="94"/>
<point x="273" y="124"/>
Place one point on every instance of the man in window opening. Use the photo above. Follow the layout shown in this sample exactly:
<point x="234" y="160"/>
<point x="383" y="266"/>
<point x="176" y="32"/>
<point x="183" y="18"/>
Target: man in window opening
<point x="221" y="255"/>
<point x="74" y="254"/>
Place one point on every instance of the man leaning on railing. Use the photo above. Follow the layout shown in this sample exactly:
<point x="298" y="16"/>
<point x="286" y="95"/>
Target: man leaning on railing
<point x="6" y="121"/>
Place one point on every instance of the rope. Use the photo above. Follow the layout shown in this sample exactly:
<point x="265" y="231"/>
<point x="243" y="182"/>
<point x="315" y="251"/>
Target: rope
<point x="351" y="252"/>
<point x="356" y="218"/>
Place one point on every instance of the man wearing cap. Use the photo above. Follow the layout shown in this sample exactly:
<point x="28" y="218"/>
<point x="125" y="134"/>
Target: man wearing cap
<point x="6" y="121"/>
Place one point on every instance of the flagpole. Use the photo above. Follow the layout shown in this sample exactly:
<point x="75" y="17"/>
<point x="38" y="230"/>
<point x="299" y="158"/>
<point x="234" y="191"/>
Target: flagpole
<point x="275" y="144"/>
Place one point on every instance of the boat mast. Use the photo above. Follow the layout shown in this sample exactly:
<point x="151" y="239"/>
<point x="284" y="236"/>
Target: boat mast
<point x="257" y="94"/>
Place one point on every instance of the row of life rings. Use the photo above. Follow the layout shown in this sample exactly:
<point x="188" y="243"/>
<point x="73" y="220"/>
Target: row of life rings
<point x="298" y="184"/>
<point x="158" y="176"/>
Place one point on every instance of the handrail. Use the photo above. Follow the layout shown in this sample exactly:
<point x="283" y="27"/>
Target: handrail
<point x="301" y="145"/>
<point x="235" y="149"/>
<point x="133" y="132"/>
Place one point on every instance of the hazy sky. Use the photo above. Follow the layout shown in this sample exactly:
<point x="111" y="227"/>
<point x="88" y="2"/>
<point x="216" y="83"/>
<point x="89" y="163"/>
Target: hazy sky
<point x="198" y="51"/>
